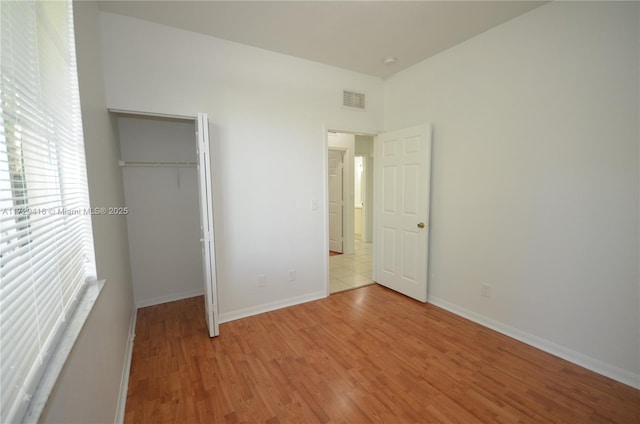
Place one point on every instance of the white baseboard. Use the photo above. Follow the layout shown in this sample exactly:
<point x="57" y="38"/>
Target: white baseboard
<point x="143" y="303"/>
<point x="124" y="381"/>
<point x="268" y="307"/>
<point x="570" y="355"/>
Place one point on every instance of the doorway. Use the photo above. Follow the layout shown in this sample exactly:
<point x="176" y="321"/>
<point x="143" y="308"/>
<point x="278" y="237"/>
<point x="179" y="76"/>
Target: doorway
<point x="400" y="209"/>
<point x="353" y="266"/>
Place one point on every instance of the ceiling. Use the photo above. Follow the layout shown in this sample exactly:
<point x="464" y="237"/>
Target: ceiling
<point x="355" y="35"/>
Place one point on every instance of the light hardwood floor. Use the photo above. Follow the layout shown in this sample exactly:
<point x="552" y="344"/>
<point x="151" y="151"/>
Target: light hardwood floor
<point x="364" y="355"/>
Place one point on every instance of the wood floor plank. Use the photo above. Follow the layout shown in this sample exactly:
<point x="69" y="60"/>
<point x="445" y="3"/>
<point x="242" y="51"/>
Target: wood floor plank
<point x="360" y="356"/>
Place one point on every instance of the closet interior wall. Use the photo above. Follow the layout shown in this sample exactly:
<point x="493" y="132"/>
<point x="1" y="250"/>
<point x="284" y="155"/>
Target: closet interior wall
<point x="163" y="217"/>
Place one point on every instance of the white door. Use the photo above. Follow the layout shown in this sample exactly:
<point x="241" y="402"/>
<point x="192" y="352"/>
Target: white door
<point x="335" y="200"/>
<point x="206" y="225"/>
<point x="402" y="181"/>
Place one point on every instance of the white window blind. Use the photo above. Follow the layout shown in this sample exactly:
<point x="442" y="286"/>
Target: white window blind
<point x="46" y="246"/>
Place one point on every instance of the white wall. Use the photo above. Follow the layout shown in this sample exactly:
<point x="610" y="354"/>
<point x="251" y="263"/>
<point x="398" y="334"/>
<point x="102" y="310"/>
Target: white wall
<point x="535" y="178"/>
<point x="268" y="115"/>
<point x="87" y="390"/>
<point x="163" y="221"/>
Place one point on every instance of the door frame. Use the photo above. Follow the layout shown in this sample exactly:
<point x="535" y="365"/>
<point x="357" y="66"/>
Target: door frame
<point x="325" y="189"/>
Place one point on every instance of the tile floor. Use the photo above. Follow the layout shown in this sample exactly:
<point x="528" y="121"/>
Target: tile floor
<point x="351" y="271"/>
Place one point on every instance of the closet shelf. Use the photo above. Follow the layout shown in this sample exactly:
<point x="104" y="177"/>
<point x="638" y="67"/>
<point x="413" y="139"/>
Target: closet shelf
<point x="125" y="163"/>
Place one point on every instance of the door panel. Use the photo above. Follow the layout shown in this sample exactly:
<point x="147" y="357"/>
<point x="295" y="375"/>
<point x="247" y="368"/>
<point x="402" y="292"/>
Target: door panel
<point x="336" y="166"/>
<point x="206" y="225"/>
<point x="411" y="185"/>
<point x="389" y="189"/>
<point x="403" y="173"/>
<point x="388" y="250"/>
<point x="410" y="257"/>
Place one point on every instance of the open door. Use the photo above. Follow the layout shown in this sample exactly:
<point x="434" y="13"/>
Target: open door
<point x="206" y="225"/>
<point x="402" y="180"/>
<point x="336" y="200"/>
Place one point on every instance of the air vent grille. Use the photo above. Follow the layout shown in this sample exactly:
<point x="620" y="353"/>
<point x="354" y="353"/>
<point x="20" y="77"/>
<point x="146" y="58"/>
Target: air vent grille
<point x="352" y="99"/>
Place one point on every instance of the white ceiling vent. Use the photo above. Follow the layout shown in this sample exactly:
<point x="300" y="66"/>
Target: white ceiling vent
<point x="352" y="99"/>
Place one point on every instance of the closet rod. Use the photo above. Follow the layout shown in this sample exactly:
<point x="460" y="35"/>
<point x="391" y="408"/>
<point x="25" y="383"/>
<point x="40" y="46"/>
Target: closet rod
<point x="124" y="163"/>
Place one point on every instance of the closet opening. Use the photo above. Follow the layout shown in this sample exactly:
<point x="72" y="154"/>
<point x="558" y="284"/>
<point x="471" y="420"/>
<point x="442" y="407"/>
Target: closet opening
<point x="166" y="175"/>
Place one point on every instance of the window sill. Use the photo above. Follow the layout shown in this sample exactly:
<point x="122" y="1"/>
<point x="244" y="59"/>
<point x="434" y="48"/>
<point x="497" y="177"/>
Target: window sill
<point x="58" y="359"/>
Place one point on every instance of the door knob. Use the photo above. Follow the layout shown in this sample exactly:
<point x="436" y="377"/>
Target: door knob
<point x="420" y="224"/>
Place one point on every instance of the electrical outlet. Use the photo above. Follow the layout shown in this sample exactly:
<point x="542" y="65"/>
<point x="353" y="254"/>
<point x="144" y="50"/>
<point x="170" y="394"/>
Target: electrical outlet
<point x="292" y="275"/>
<point x="262" y="280"/>
<point x="485" y="290"/>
